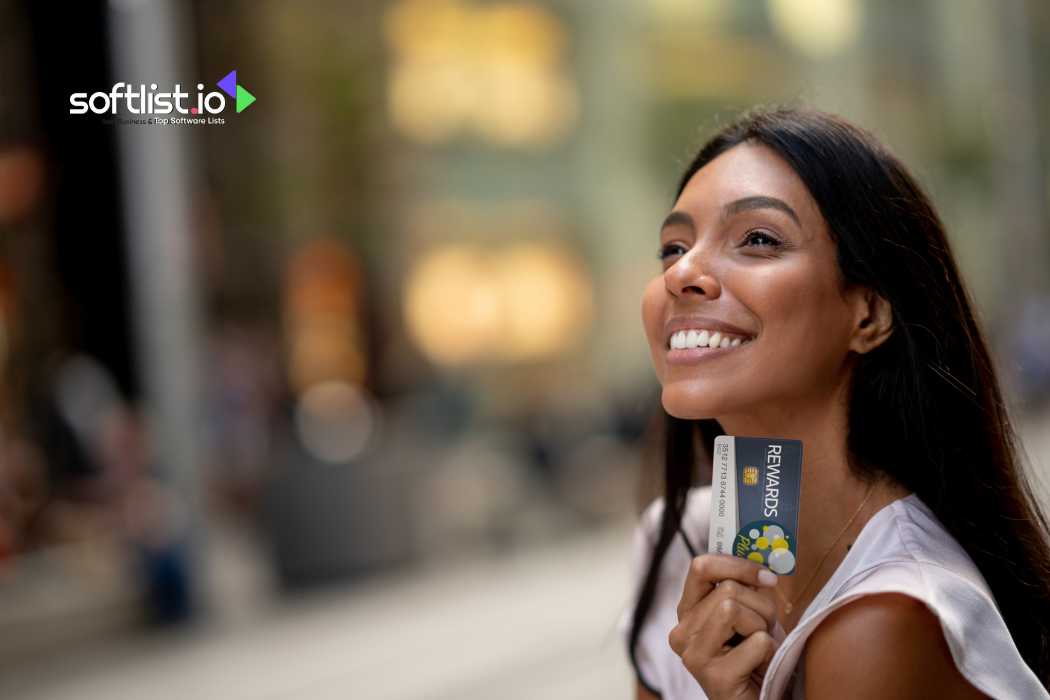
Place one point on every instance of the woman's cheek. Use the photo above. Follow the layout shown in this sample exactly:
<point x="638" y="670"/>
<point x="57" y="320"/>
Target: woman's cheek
<point x="652" y="306"/>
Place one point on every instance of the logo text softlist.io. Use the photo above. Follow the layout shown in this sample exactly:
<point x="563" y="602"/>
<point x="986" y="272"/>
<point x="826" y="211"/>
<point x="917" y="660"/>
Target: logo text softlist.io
<point x="146" y="100"/>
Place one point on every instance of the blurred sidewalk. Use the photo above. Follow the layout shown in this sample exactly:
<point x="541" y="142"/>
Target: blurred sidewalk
<point x="534" y="624"/>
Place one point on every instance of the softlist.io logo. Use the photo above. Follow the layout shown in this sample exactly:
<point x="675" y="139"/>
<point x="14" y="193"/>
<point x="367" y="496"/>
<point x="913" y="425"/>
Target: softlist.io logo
<point x="151" y="105"/>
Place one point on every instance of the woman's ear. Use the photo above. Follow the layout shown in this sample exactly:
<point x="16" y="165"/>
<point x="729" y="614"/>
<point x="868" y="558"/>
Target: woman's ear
<point x="873" y="321"/>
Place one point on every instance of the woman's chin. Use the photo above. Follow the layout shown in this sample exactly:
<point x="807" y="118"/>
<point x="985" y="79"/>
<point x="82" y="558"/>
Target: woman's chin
<point x="686" y="405"/>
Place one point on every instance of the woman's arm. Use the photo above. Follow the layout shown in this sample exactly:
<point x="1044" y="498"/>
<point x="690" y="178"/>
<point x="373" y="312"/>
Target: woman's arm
<point x="886" y="645"/>
<point x="642" y="694"/>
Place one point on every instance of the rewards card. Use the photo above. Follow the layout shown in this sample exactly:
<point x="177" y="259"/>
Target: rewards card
<point x="756" y="483"/>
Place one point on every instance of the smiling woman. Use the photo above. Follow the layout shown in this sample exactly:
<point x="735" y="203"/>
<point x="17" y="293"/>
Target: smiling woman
<point x="808" y="291"/>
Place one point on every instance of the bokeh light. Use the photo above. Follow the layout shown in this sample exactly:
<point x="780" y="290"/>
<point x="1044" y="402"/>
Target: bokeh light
<point x="336" y="421"/>
<point x="530" y="301"/>
<point x="497" y="70"/>
<point x="817" y="28"/>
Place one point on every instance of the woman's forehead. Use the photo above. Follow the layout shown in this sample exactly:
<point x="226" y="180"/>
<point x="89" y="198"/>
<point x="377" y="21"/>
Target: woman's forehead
<point x="748" y="170"/>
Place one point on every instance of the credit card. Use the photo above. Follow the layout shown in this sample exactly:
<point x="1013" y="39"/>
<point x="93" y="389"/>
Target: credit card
<point x="756" y="484"/>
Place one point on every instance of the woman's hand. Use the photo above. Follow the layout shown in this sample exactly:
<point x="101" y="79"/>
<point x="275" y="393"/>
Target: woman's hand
<point x="724" y="596"/>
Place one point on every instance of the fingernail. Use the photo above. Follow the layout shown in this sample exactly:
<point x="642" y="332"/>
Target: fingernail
<point x="767" y="577"/>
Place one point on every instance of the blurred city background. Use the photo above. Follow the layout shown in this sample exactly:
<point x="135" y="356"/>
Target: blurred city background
<point x="348" y="396"/>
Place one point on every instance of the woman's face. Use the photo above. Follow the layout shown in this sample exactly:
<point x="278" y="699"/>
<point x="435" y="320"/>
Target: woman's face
<point x="745" y="245"/>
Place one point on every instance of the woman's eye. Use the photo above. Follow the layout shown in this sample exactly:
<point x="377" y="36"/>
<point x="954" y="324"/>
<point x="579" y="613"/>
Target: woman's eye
<point x="753" y="239"/>
<point x="666" y="250"/>
<point x="761" y="235"/>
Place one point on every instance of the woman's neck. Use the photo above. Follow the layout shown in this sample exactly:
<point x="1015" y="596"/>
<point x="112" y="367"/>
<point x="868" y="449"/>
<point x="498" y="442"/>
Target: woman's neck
<point x="827" y="552"/>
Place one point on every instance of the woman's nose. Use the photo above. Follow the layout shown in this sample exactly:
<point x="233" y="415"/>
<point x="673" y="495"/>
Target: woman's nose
<point x="689" y="275"/>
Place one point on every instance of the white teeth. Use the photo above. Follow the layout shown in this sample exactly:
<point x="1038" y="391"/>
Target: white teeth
<point x="693" y="338"/>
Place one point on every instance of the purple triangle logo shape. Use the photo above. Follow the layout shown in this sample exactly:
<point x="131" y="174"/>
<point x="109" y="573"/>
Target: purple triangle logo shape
<point x="229" y="83"/>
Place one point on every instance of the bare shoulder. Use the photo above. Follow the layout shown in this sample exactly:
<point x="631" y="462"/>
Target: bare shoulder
<point x="885" y="645"/>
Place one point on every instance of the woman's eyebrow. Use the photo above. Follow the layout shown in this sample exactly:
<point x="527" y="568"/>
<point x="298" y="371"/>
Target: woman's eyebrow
<point x="759" y="202"/>
<point x="735" y="207"/>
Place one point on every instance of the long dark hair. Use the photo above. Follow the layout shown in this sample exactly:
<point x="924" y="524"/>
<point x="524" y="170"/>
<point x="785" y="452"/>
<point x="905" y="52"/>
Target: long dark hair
<point x="925" y="406"/>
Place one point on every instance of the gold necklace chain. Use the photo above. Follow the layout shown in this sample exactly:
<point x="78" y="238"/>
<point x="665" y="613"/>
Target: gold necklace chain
<point x="789" y="604"/>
